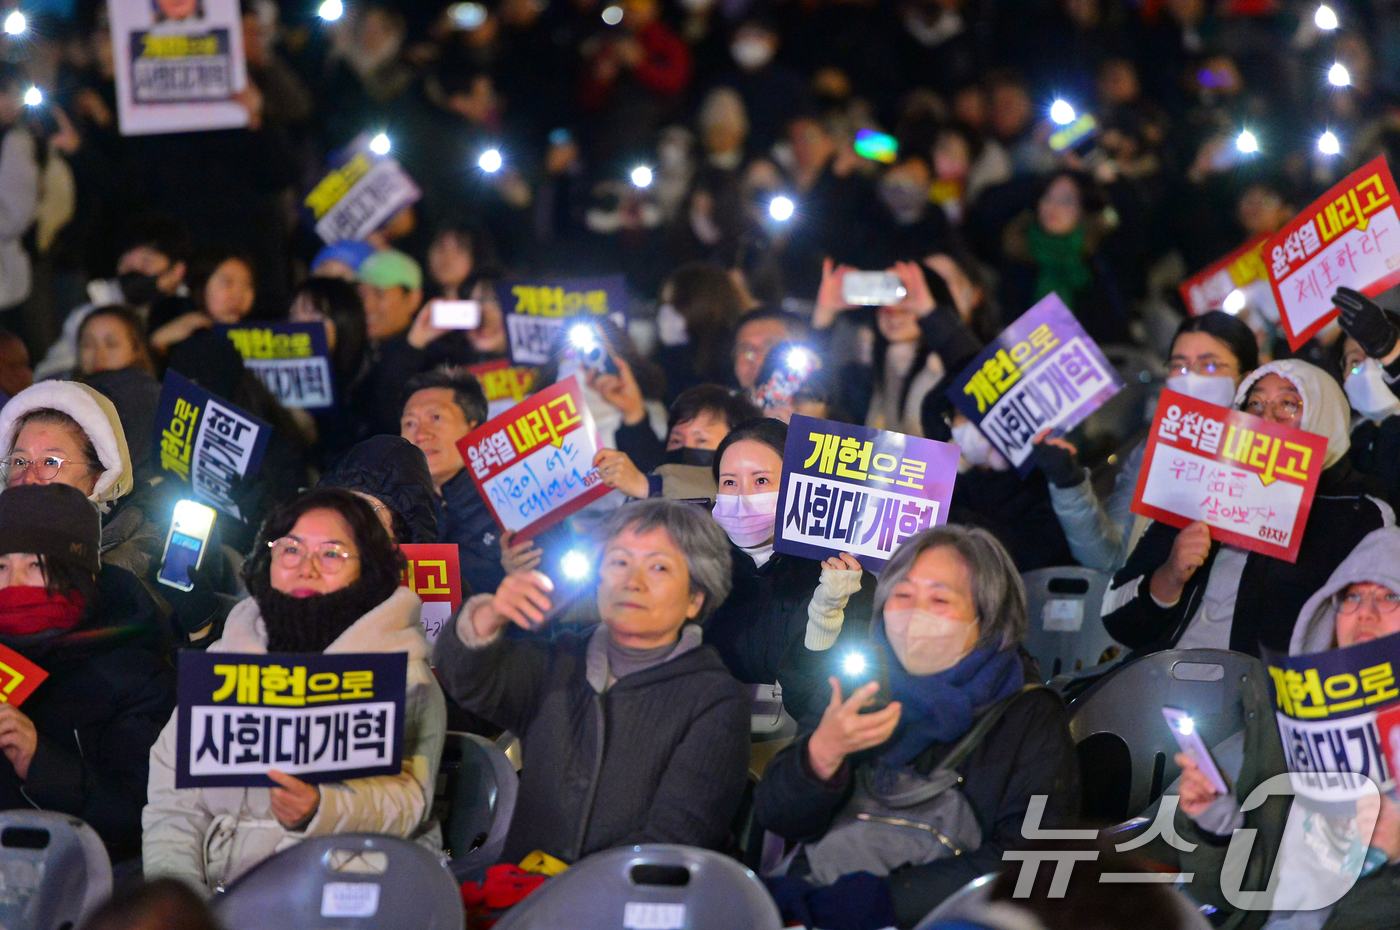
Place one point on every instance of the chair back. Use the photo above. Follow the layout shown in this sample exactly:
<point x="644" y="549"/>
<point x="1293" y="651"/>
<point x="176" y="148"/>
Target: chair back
<point x="364" y="881"/>
<point x="656" y="886"/>
<point x="479" y="784"/>
<point x="1064" y="629"/>
<point x="971" y="904"/>
<point x="54" y="870"/>
<point x="1124" y="710"/>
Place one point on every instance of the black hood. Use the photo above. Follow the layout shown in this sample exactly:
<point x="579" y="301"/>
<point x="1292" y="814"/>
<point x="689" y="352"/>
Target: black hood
<point x="136" y="395"/>
<point x="393" y="470"/>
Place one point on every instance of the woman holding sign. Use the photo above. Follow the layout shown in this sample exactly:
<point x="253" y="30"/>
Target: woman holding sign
<point x="317" y="564"/>
<point x="1181" y="590"/>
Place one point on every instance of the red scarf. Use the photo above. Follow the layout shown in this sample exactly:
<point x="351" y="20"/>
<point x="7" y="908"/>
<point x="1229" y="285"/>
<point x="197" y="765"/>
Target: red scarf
<point x="25" y="609"/>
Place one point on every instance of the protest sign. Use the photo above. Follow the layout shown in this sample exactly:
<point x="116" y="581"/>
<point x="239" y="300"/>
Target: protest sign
<point x="505" y="384"/>
<point x="1242" y="270"/>
<point x="206" y="442"/>
<point x="1349" y="236"/>
<point x="859" y="490"/>
<point x="178" y="65"/>
<point x="434" y="573"/>
<point x="18" y="677"/>
<point x="533" y="465"/>
<point x="318" y="716"/>
<point x="1253" y="481"/>
<point x="1388" y="724"/>
<point x="1042" y="372"/>
<point x="291" y="359"/>
<point x="536" y="311"/>
<point x="361" y="191"/>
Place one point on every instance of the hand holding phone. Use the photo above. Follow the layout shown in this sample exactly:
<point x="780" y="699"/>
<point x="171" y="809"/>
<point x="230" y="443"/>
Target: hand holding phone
<point x="858" y="666"/>
<point x="456" y="314"/>
<point x="185" y="544"/>
<point x="872" y="288"/>
<point x="1184" y="729"/>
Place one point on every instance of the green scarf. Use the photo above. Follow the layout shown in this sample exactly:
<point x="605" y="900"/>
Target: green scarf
<point x="1060" y="263"/>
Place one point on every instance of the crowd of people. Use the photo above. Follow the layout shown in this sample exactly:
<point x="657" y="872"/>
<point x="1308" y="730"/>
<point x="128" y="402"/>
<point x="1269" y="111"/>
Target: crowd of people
<point x="718" y="155"/>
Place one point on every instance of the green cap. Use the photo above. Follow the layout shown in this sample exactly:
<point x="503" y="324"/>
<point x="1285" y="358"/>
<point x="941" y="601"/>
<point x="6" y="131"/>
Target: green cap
<point x="391" y="269"/>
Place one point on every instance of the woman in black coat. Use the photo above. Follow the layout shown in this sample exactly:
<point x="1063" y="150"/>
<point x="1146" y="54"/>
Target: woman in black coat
<point x="80" y="744"/>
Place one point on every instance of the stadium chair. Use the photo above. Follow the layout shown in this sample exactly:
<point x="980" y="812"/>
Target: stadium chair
<point x="479" y="786"/>
<point x="649" y="886"/>
<point x="1125" y="747"/>
<point x="969" y="904"/>
<point x="352" y="880"/>
<point x="1064" y="629"/>
<point x="54" y="870"/>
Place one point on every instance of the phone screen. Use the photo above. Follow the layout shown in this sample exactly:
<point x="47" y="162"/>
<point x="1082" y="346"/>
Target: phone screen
<point x="456" y="314"/>
<point x="182" y="554"/>
<point x="1189" y="739"/>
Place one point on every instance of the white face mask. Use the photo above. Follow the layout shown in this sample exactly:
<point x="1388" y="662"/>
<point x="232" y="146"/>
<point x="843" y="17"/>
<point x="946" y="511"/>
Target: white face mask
<point x="670" y="326"/>
<point x="976" y="449"/>
<point x="752" y="54"/>
<point x="747" y="518"/>
<point x="1212" y="389"/>
<point x="1368" y="393"/>
<point x="927" y="643"/>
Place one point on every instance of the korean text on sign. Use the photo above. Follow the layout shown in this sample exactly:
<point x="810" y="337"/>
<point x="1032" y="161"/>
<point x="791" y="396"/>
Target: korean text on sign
<point x="534" y="464"/>
<point x="1349" y="236"/>
<point x="210" y="444"/>
<point x="1253" y="481"/>
<point x="536" y="313"/>
<point x="434" y="573"/>
<point x="505" y="384"/>
<point x="360" y="194"/>
<point x="321" y="717"/>
<point x="864" y="491"/>
<point x="290" y="359"/>
<point x="1042" y="372"/>
<point x="1242" y="270"/>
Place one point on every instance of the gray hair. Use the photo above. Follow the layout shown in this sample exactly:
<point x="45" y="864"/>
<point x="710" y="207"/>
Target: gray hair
<point x="694" y="532"/>
<point x="997" y="592"/>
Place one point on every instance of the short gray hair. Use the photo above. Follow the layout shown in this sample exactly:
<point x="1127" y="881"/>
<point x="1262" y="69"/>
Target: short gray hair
<point x="694" y="532"/>
<point x="997" y="592"/>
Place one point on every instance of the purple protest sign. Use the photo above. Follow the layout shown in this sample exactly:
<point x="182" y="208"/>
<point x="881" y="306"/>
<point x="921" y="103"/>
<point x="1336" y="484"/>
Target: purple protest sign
<point x="1043" y="371"/>
<point x="859" y="490"/>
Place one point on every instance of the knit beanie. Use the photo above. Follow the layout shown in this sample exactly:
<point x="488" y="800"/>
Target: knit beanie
<point x="53" y="520"/>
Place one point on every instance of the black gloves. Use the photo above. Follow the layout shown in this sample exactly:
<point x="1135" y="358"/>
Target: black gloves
<point x="1363" y="320"/>
<point x="1058" y="464"/>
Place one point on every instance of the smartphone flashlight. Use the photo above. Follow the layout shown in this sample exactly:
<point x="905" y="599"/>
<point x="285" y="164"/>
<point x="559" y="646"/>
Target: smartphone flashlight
<point x="185" y="544"/>
<point x="574" y="565"/>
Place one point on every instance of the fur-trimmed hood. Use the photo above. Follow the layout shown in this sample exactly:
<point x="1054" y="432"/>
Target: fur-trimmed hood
<point x="98" y="419"/>
<point x="1325" y="408"/>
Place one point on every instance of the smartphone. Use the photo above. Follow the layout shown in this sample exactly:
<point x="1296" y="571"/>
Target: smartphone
<point x="590" y="351"/>
<point x="876" y="146"/>
<point x="1184" y="729"/>
<point x="456" y="314"/>
<point x="857" y="666"/>
<point x="185" y="544"/>
<point x="872" y="288"/>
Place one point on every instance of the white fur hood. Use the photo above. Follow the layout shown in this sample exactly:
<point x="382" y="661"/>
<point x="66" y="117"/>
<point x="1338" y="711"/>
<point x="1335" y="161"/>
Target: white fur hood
<point x="98" y="418"/>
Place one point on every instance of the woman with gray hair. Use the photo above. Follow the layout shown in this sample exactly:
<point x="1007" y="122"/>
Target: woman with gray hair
<point x="927" y="791"/>
<point x="633" y="731"/>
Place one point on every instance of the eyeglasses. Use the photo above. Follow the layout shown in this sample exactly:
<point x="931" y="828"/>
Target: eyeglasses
<point x="290" y="553"/>
<point x="45" y="469"/>
<point x="1202" y="368"/>
<point x="1284" y="409"/>
<point x="1387" y="602"/>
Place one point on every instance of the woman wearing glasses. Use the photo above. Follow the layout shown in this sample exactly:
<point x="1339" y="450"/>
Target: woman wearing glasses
<point x="323" y="577"/>
<point x="1181" y="590"/>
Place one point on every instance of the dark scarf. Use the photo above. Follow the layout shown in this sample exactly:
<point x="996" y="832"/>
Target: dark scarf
<point x="940" y="708"/>
<point x="1060" y="264"/>
<point x="310" y="624"/>
<point x="25" y="610"/>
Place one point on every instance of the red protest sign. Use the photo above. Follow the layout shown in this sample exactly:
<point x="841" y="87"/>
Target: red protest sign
<point x="1388" y="725"/>
<point x="1207" y="289"/>
<point x="18" y="677"/>
<point x="434" y="573"/>
<point x="533" y="464"/>
<point x="1350" y="236"/>
<point x="1253" y="481"/>
<point x="505" y="384"/>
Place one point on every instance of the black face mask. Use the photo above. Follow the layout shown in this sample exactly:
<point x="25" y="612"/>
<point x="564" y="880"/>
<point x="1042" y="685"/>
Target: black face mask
<point x="138" y="289"/>
<point x="702" y="457"/>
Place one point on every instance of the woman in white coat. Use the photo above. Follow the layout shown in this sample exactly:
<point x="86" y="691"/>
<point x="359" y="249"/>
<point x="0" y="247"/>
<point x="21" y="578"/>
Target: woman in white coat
<point x="318" y="562"/>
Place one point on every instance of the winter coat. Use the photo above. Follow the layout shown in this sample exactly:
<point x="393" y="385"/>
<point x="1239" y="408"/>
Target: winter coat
<point x="1098" y="532"/>
<point x="110" y="689"/>
<point x="463" y="518"/>
<point x="207" y="837"/>
<point x="1028" y="752"/>
<point x="1014" y="509"/>
<point x="19" y="199"/>
<point x="661" y="756"/>
<point x="394" y="471"/>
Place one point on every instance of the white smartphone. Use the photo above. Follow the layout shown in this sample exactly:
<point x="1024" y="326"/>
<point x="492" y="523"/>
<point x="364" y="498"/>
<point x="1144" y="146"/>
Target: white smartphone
<point x="1184" y="729"/>
<point x="185" y="544"/>
<point x="872" y="288"/>
<point x="456" y="314"/>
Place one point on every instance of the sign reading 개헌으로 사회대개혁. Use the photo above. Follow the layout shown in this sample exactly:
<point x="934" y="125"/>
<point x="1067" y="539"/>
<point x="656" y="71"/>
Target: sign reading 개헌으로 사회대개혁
<point x="290" y="359"/>
<point x="318" y="716"/>
<point x="434" y="573"/>
<point x="533" y="464"/>
<point x="1042" y="372"/>
<point x="361" y="191"/>
<point x="1350" y="236"/>
<point x="854" y="489"/>
<point x="536" y="312"/>
<point x="1252" y="480"/>
<point x="178" y="65"/>
<point x="206" y="442"/>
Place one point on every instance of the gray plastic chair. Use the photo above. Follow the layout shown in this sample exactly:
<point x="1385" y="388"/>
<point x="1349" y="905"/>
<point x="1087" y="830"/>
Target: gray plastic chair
<point x="649" y="886"/>
<point x="1064" y="630"/>
<point x="54" y="870"/>
<point x="1127" y="703"/>
<point x="363" y="881"/>
<point x="480" y="787"/>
